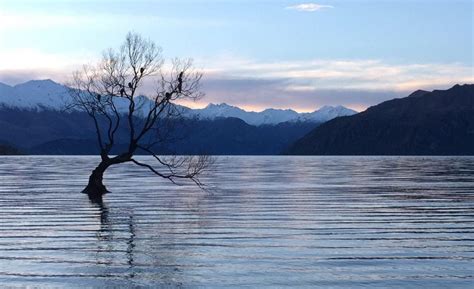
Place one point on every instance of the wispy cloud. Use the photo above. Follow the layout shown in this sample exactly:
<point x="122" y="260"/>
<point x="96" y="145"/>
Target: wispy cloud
<point x="306" y="85"/>
<point x="309" y="7"/>
<point x="366" y="74"/>
<point x="302" y="85"/>
<point x="35" y="59"/>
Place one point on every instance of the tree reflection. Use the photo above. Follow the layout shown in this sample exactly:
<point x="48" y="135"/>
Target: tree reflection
<point x="108" y="246"/>
<point x="131" y="246"/>
<point x="105" y="230"/>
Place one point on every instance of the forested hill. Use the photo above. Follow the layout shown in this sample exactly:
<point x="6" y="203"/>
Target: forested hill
<point x="8" y="150"/>
<point x="53" y="132"/>
<point x="440" y="122"/>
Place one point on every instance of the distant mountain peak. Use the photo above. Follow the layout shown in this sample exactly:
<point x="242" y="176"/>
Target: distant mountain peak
<point x="418" y="93"/>
<point x="222" y="104"/>
<point x="39" y="82"/>
<point x="328" y="107"/>
<point x="461" y="86"/>
<point x="47" y="94"/>
<point x="279" y="109"/>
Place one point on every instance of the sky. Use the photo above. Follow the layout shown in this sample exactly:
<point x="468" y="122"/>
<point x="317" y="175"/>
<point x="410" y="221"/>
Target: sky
<point x="256" y="54"/>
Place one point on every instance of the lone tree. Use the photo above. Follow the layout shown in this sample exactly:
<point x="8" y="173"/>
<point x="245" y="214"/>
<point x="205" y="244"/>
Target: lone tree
<point x="109" y="93"/>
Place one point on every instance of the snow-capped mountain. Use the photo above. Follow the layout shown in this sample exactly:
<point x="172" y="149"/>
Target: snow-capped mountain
<point x="271" y="115"/>
<point x="268" y="116"/>
<point x="326" y="113"/>
<point x="43" y="95"/>
<point x="49" y="95"/>
<point x="34" y="94"/>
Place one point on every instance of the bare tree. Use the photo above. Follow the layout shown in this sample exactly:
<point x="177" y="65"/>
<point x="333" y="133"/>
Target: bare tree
<point x="108" y="93"/>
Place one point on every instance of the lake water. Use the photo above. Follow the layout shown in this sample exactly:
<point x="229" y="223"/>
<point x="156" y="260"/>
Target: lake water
<point x="329" y="222"/>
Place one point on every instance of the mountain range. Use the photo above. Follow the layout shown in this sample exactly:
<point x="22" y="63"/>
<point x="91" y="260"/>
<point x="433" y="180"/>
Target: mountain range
<point x="49" y="95"/>
<point x="33" y="121"/>
<point x="440" y="122"/>
<point x="65" y="133"/>
<point x="271" y="115"/>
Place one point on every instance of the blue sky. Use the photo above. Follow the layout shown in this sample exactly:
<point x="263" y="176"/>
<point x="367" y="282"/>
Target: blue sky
<point x="257" y="54"/>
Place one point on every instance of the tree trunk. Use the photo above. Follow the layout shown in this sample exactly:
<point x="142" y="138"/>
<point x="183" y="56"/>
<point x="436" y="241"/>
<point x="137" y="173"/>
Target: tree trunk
<point x="95" y="188"/>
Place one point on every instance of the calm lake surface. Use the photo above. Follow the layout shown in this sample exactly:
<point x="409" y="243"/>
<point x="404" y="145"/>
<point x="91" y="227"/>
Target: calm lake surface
<point x="329" y="222"/>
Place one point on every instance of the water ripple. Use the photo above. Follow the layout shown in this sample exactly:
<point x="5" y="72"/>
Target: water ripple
<point x="329" y="222"/>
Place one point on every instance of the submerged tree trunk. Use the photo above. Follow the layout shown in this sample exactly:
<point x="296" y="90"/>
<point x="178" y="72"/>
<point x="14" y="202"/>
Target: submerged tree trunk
<point x="95" y="188"/>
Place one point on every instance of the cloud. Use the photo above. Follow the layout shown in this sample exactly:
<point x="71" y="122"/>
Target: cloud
<point x="303" y="85"/>
<point x="363" y="74"/>
<point x="34" y="59"/>
<point x="309" y="7"/>
<point x="257" y="94"/>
